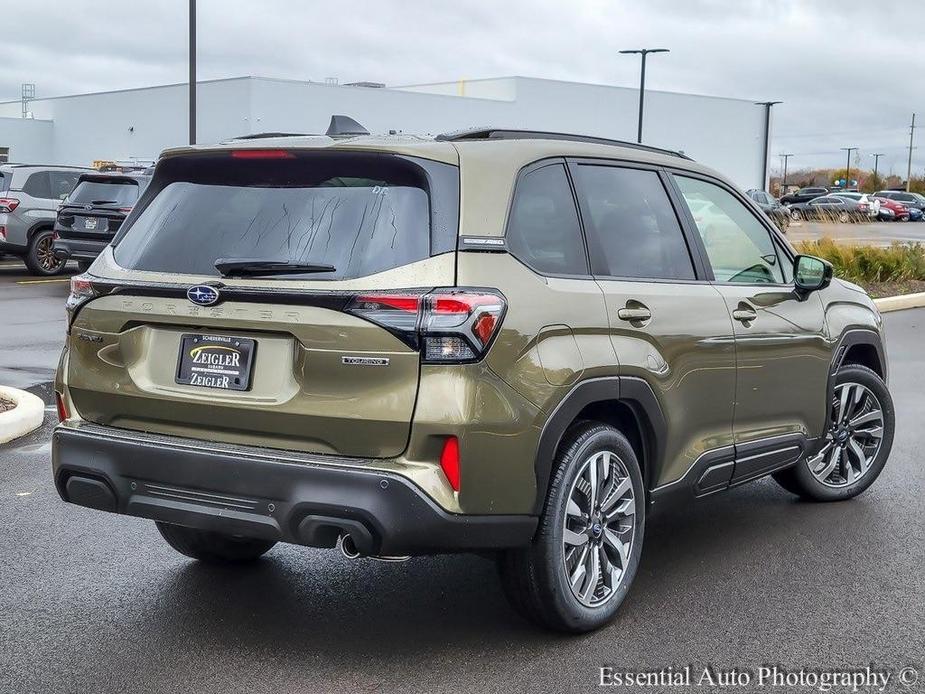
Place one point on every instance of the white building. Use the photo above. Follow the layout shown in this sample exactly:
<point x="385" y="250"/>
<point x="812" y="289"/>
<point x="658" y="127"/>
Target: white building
<point x="726" y="134"/>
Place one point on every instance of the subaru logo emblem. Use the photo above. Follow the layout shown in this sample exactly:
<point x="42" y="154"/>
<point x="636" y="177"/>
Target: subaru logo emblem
<point x="88" y="207"/>
<point x="202" y="295"/>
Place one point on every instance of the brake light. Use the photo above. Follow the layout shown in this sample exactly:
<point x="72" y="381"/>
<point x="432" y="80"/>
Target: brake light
<point x="81" y="292"/>
<point x="8" y="204"/>
<point x="449" y="461"/>
<point x="262" y="154"/>
<point x="448" y="325"/>
<point x="63" y="413"/>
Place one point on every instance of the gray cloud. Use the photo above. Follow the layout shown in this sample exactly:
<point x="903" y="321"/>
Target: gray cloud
<point x="846" y="71"/>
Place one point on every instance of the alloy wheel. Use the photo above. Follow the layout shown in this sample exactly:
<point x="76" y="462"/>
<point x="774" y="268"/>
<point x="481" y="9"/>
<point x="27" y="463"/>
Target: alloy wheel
<point x="599" y="529"/>
<point x="46" y="255"/>
<point x="853" y="439"/>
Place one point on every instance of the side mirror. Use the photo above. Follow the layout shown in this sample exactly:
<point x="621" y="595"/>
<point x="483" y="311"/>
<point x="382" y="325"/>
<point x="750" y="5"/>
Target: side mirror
<point x="811" y="274"/>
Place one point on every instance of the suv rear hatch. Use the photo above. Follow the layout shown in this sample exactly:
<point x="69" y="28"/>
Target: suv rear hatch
<point x="97" y="206"/>
<point x="324" y="357"/>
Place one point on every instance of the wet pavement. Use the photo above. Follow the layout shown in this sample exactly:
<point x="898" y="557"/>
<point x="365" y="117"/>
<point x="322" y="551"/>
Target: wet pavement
<point x="93" y="602"/>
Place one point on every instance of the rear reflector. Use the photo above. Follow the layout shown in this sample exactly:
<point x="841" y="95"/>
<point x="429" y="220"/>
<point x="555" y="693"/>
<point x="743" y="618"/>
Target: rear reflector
<point x="449" y="461"/>
<point x="262" y="154"/>
<point x="2" y="233"/>
<point x="63" y="414"/>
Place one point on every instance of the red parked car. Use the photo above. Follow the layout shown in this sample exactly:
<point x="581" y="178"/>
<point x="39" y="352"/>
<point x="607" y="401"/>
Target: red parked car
<point x="890" y="210"/>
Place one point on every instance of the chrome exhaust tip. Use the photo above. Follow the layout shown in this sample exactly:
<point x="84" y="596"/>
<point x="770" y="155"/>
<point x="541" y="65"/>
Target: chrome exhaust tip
<point x="348" y="548"/>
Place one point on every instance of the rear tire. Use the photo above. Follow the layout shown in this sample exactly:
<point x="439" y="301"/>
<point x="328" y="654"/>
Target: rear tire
<point x="212" y="547"/>
<point x="796" y="215"/>
<point x="577" y="571"/>
<point x="39" y="258"/>
<point x="841" y="473"/>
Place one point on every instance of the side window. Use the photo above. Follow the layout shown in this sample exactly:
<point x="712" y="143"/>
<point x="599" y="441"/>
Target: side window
<point x="37" y="185"/>
<point x="739" y="247"/>
<point x="62" y="183"/>
<point x="543" y="231"/>
<point x="631" y="224"/>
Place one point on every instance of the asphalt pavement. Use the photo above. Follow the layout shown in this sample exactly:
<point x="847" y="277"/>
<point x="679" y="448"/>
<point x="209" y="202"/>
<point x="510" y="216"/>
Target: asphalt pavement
<point x="93" y="602"/>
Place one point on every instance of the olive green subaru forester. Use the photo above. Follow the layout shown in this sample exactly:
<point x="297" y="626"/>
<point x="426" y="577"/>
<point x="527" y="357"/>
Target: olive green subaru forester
<point x="492" y="341"/>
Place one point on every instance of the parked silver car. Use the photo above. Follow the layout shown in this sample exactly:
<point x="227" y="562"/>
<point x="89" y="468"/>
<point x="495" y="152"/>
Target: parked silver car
<point x="29" y="199"/>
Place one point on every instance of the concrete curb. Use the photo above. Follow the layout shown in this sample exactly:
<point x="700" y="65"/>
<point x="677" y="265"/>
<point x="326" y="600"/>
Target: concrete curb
<point x="898" y="303"/>
<point x="25" y="417"/>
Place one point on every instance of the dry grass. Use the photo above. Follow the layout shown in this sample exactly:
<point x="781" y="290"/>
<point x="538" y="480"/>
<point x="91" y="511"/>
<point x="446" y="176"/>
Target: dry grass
<point x="900" y="264"/>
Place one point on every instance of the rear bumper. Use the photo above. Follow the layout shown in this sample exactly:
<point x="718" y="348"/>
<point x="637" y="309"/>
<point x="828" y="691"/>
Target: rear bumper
<point x="256" y="492"/>
<point x="76" y="249"/>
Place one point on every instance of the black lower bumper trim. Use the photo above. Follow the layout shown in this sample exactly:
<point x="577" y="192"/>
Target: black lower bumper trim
<point x="256" y="495"/>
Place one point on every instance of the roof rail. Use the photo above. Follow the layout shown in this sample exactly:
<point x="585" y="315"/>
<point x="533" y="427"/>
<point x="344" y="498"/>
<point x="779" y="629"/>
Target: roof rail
<point x="511" y="134"/>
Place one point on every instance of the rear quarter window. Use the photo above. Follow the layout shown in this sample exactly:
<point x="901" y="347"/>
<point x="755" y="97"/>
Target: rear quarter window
<point x="361" y="213"/>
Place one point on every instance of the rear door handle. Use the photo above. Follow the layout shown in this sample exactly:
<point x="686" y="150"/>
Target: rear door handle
<point x="744" y="314"/>
<point x="634" y="314"/>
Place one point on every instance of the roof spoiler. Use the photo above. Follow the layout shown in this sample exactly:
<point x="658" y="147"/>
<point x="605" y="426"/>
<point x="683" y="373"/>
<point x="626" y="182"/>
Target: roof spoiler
<point x="345" y="126"/>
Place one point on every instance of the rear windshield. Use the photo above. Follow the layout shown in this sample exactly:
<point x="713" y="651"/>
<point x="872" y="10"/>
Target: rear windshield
<point x="98" y="193"/>
<point x="362" y="214"/>
<point x="4" y="182"/>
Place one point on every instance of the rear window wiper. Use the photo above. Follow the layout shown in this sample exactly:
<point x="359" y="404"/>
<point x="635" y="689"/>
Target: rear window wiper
<point x="260" y="267"/>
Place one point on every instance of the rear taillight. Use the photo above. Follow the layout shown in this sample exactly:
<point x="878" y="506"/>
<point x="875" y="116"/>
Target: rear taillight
<point x="8" y="204"/>
<point x="81" y="292"/>
<point x="447" y="325"/>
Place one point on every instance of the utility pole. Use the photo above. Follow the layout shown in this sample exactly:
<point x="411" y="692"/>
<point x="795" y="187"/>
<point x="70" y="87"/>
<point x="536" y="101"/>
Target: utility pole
<point x="642" y="80"/>
<point x="876" y="165"/>
<point x="911" y="140"/>
<point x="849" y="150"/>
<point x="192" y="72"/>
<point x="783" y="183"/>
<point x="767" y="139"/>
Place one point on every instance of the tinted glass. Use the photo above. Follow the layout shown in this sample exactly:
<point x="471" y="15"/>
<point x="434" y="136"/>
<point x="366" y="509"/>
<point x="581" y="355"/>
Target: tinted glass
<point x="37" y="185"/>
<point x="99" y="193"/>
<point x="62" y="183"/>
<point x="632" y="224"/>
<point x="543" y="231"/>
<point x="4" y="182"/>
<point x="361" y="214"/>
<point x="739" y="247"/>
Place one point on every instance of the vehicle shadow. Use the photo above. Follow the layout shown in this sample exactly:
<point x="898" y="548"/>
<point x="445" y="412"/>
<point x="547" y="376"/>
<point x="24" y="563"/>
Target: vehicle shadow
<point x="298" y="600"/>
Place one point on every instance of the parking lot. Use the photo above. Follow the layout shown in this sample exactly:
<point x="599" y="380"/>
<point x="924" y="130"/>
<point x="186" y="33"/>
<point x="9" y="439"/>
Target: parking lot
<point x="96" y="602"/>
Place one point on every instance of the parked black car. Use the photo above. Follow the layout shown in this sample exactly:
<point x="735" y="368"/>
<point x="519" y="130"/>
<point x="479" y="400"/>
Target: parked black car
<point x="804" y="195"/>
<point x="911" y="200"/>
<point x="92" y="213"/>
<point x="772" y="207"/>
<point x="830" y="208"/>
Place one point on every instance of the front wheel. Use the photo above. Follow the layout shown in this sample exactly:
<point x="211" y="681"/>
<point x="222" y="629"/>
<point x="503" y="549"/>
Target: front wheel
<point x="579" y="567"/>
<point x="212" y="547"/>
<point x="844" y="217"/>
<point x="857" y="442"/>
<point x="796" y="215"/>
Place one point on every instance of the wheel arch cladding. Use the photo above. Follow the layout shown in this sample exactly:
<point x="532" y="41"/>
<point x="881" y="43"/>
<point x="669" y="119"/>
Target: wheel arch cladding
<point x="627" y="403"/>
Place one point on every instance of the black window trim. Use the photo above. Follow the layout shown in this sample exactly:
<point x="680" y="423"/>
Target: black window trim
<point x="781" y="248"/>
<point x="696" y="260"/>
<point x="521" y="174"/>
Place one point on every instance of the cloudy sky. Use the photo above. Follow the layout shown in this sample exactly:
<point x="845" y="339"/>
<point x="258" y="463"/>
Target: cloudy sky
<point x="848" y="74"/>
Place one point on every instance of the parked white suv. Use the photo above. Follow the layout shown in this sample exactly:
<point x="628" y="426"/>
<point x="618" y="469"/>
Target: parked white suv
<point x="29" y="199"/>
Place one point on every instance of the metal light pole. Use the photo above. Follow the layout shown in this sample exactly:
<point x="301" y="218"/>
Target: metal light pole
<point x="192" y="72"/>
<point x="849" y="150"/>
<point x="642" y="80"/>
<point x="767" y="139"/>
<point x="876" y="165"/>
<point x="911" y="147"/>
<point x="786" y="158"/>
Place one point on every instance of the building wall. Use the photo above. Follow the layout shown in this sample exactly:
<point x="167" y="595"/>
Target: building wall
<point x="727" y="134"/>
<point x="29" y="140"/>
